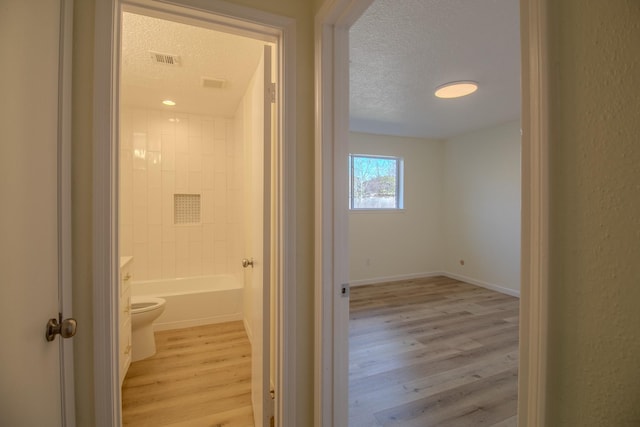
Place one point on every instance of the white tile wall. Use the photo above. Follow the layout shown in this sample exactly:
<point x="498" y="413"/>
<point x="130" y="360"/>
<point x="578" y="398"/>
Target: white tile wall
<point x="162" y="153"/>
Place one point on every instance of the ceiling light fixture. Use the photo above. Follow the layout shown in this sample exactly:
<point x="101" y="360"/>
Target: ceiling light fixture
<point x="456" y="89"/>
<point x="169" y="102"/>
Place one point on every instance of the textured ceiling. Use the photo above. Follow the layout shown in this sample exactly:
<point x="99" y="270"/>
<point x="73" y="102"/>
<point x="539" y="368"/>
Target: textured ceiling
<point x="203" y="53"/>
<point x="401" y="50"/>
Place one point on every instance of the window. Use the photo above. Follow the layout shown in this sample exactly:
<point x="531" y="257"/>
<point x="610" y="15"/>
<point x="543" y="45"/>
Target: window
<point x="375" y="182"/>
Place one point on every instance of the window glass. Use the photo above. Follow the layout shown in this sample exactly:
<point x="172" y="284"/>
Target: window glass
<point x="375" y="182"/>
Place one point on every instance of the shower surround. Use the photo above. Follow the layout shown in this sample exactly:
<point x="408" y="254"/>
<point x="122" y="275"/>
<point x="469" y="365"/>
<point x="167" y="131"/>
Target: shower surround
<point x="163" y="154"/>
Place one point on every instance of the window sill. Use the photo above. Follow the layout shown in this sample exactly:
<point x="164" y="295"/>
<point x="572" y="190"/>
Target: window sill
<point x="377" y="211"/>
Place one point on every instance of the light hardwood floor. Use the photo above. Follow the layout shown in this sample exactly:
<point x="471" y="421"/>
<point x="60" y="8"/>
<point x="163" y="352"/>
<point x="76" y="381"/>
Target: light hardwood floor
<point x="199" y="377"/>
<point x="432" y="352"/>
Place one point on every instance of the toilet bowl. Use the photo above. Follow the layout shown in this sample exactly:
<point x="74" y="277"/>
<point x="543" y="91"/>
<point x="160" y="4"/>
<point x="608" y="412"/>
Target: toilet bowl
<point x="144" y="311"/>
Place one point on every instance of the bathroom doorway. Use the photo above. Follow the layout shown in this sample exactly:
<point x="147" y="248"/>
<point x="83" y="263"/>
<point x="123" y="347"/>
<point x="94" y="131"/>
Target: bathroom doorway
<point x="198" y="127"/>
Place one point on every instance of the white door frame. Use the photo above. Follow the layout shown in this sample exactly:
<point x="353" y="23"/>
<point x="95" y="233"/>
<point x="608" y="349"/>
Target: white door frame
<point x="64" y="205"/>
<point x="245" y="21"/>
<point x="331" y="221"/>
<point x="331" y="227"/>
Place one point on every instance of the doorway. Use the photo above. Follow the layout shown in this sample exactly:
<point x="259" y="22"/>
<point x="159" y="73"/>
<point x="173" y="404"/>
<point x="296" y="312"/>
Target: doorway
<point x="449" y="223"/>
<point x="238" y="20"/>
<point x="195" y="156"/>
<point x="332" y="272"/>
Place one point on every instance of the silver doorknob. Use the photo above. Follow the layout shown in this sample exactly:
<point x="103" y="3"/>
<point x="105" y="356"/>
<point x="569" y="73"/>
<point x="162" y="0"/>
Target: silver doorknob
<point x="66" y="328"/>
<point x="246" y="263"/>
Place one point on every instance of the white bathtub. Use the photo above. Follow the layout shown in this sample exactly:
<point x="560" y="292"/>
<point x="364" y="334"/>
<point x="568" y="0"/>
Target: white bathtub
<point x="194" y="301"/>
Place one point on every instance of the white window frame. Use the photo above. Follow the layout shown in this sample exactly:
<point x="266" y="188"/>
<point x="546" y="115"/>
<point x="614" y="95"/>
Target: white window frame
<point x="399" y="193"/>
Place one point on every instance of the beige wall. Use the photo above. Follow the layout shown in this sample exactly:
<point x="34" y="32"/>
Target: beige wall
<point x="481" y="209"/>
<point x="462" y="202"/>
<point x="302" y="11"/>
<point x="594" y="367"/>
<point x="393" y="244"/>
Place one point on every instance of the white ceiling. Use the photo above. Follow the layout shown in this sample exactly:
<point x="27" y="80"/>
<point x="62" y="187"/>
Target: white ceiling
<point x="401" y="50"/>
<point x="203" y="53"/>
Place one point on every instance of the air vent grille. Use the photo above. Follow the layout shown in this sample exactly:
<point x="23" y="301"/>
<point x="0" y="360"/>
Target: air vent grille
<point x="212" y="83"/>
<point x="165" y="58"/>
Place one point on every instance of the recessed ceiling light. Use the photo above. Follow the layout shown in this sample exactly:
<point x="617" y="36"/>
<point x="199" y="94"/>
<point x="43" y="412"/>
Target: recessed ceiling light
<point x="169" y="102"/>
<point x="456" y="89"/>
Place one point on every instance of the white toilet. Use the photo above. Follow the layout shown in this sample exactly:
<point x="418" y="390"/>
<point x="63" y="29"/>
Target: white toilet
<point x="144" y="311"/>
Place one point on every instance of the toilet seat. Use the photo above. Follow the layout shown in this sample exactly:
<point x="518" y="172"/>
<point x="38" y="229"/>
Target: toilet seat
<point x="144" y="304"/>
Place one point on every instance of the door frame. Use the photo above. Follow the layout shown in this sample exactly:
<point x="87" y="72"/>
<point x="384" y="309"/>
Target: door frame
<point x="65" y="279"/>
<point x="331" y="222"/>
<point x="246" y="21"/>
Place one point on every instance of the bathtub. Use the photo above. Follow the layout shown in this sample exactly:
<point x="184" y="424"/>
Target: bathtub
<point x="194" y="301"/>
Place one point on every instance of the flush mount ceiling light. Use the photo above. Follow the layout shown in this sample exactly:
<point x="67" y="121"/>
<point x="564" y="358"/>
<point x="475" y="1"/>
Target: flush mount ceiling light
<point x="169" y="102"/>
<point x="456" y="89"/>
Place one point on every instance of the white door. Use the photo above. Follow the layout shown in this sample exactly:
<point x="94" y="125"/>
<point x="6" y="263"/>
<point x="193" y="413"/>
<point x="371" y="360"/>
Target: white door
<point x="30" y="268"/>
<point x="258" y="240"/>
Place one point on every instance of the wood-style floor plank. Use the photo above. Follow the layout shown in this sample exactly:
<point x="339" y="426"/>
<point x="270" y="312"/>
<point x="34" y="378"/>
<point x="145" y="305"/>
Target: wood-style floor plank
<point x="432" y="352"/>
<point x="198" y="377"/>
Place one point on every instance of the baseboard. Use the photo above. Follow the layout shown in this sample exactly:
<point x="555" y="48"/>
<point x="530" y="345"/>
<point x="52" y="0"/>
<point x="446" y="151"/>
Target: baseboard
<point x="375" y="280"/>
<point x="501" y="289"/>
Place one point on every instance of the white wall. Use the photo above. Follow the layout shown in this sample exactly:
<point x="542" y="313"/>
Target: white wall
<point x="481" y="209"/>
<point x="163" y="153"/>
<point x="391" y="244"/>
<point x="462" y="202"/>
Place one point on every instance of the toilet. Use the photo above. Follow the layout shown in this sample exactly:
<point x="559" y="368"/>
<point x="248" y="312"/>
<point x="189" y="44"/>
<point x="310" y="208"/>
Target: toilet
<point x="144" y="311"/>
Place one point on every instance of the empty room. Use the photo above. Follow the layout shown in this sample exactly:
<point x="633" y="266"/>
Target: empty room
<point x="434" y="214"/>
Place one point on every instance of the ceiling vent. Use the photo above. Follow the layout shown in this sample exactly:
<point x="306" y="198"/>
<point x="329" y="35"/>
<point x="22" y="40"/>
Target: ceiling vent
<point x="213" y="83"/>
<point x="165" y="58"/>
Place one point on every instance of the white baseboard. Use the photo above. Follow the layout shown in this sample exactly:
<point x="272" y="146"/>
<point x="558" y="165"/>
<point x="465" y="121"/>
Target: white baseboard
<point x="375" y="280"/>
<point x="491" y="286"/>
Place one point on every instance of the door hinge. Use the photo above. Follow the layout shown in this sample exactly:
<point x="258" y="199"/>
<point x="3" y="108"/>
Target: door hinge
<point x="272" y="93"/>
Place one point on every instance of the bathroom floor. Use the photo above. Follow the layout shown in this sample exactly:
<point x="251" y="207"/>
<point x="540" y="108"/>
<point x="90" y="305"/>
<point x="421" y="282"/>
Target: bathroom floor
<point x="198" y="377"/>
